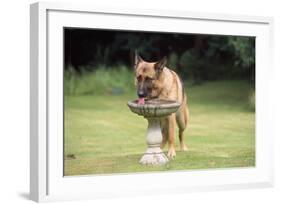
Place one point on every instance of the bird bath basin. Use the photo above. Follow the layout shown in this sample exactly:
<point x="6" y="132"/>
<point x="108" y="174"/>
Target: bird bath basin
<point x="153" y="111"/>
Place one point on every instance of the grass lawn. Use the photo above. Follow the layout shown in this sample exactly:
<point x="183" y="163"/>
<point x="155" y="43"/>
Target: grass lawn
<point x="103" y="136"/>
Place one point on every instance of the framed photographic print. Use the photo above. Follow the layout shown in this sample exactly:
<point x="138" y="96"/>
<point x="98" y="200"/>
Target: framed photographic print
<point x="147" y="101"/>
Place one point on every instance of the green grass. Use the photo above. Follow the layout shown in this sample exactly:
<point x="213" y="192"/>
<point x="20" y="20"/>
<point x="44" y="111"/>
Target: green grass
<point x="103" y="136"/>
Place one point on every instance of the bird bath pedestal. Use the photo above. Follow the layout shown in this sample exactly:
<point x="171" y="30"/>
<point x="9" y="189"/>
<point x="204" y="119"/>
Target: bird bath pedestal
<point x="153" y="111"/>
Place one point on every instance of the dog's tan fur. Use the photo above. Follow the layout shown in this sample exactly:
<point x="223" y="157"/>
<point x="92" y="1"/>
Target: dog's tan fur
<point x="163" y="83"/>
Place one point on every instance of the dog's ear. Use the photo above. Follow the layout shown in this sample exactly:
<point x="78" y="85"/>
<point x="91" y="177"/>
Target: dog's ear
<point x="160" y="64"/>
<point x="138" y="59"/>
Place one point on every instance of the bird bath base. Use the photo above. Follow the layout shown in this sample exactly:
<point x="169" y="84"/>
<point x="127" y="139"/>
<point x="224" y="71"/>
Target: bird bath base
<point x="154" y="154"/>
<point x="154" y="111"/>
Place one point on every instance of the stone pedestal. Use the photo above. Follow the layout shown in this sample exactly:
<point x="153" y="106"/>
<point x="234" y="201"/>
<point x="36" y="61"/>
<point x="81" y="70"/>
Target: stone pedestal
<point x="153" y="110"/>
<point x="154" y="154"/>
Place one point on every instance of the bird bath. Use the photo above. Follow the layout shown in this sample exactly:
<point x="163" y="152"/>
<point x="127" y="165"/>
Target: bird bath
<point x="153" y="111"/>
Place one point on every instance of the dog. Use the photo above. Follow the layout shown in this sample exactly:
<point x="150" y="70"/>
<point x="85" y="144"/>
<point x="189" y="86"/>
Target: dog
<point x="155" y="81"/>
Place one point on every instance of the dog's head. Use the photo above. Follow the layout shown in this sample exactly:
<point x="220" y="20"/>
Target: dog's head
<point x="148" y="77"/>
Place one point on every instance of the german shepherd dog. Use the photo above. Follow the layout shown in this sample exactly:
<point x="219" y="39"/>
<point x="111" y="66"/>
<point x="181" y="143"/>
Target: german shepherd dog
<point x="155" y="80"/>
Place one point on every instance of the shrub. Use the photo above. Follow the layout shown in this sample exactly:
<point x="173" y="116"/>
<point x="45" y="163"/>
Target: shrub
<point x="188" y="63"/>
<point x="173" y="61"/>
<point x="192" y="67"/>
<point x="102" y="80"/>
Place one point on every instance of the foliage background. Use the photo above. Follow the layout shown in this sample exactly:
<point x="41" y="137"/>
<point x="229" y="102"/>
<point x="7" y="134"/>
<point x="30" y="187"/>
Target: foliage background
<point x="193" y="56"/>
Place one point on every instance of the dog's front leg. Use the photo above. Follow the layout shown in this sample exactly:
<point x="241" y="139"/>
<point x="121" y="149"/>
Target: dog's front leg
<point x="171" y="136"/>
<point x="164" y="130"/>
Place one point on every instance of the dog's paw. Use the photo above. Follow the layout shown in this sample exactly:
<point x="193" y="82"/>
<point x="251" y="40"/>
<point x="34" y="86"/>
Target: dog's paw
<point x="171" y="153"/>
<point x="184" y="147"/>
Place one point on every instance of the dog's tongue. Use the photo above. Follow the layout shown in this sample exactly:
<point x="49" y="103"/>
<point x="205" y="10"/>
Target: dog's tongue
<point x="141" y="101"/>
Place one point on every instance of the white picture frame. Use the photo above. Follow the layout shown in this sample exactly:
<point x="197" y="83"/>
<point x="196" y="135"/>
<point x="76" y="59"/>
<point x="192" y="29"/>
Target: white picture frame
<point x="47" y="182"/>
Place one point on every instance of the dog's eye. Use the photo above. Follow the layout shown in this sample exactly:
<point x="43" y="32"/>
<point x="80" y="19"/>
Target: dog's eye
<point x="148" y="78"/>
<point x="139" y="78"/>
